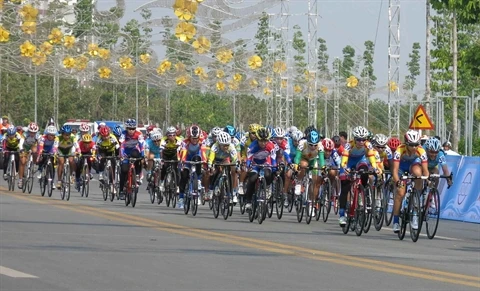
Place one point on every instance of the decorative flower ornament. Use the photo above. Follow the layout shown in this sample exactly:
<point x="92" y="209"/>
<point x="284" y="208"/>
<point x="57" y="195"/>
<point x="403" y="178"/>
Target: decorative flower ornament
<point x="220" y="86"/>
<point x="185" y="31"/>
<point x="267" y="91"/>
<point x="104" y="72"/>
<point x="255" y="62"/>
<point x="125" y="63"/>
<point x="199" y="71"/>
<point x="164" y="67"/>
<point x="104" y="54"/>
<point x="29" y="27"/>
<point x="237" y="77"/>
<point x="27" y="49"/>
<point x="93" y="49"/>
<point x="46" y="47"/>
<point x="279" y="67"/>
<point x="4" y="34"/>
<point x="220" y="74"/>
<point x="224" y="55"/>
<point x="297" y="88"/>
<point x="69" y="62"/>
<point x="324" y="89"/>
<point x="352" y="82"/>
<point x="145" y="58"/>
<point x="39" y="58"/>
<point x="29" y="13"/>
<point x="69" y="41"/>
<point x="182" y="80"/>
<point x="55" y="36"/>
<point x="393" y="86"/>
<point x="253" y="83"/>
<point x="201" y="45"/>
<point x="81" y="63"/>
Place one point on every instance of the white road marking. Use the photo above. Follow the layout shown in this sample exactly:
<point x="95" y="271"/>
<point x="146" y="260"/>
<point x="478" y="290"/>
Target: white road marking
<point x="14" y="273"/>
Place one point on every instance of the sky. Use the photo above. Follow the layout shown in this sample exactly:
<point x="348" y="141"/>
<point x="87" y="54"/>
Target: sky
<point x="340" y="23"/>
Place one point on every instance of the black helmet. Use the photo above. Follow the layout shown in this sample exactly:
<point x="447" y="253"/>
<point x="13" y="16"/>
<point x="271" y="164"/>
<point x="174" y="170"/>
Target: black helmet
<point x="336" y="140"/>
<point x="263" y="133"/>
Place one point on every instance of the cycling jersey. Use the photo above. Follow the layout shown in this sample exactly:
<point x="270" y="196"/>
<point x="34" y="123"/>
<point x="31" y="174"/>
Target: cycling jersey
<point x="260" y="156"/>
<point x="67" y="145"/>
<point x="108" y="143"/>
<point x="219" y="155"/>
<point x="355" y="156"/>
<point x="189" y="150"/>
<point x="87" y="148"/>
<point x="293" y="149"/>
<point x="334" y="160"/>
<point x="30" y="141"/>
<point x="283" y="152"/>
<point x="46" y="145"/>
<point x="128" y="143"/>
<point x="152" y="148"/>
<point x="13" y="143"/>
<point x="170" y="149"/>
<point x="406" y="160"/>
<point x="309" y="153"/>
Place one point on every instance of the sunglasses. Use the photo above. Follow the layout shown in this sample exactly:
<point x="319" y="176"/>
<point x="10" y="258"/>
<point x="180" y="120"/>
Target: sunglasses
<point x="131" y="128"/>
<point x="313" y="144"/>
<point x="433" y="152"/>
<point x="170" y="135"/>
<point x="413" y="144"/>
<point x="360" y="139"/>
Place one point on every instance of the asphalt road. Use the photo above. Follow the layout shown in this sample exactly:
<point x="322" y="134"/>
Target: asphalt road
<point x="89" y="244"/>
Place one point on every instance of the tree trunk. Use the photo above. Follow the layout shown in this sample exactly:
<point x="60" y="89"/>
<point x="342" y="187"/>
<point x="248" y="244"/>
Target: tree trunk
<point x="454" y="85"/>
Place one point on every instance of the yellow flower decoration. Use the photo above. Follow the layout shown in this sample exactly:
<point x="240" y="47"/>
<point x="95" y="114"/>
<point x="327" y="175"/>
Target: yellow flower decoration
<point x="220" y="86"/>
<point x="309" y="76"/>
<point x="393" y="86"/>
<point x="163" y="67"/>
<point x="145" y="58"/>
<point x="29" y="13"/>
<point x="279" y="67"/>
<point x="55" y="36"/>
<point x="283" y="84"/>
<point x="237" y="77"/>
<point x="81" y="63"/>
<point x="104" y="72"/>
<point x="267" y="91"/>
<point x="104" y="54"/>
<point x="27" y="49"/>
<point x="185" y="31"/>
<point x="69" y="41"/>
<point x="255" y="62"/>
<point x="185" y="9"/>
<point x="324" y="89"/>
<point x="46" y="48"/>
<point x="4" y="34"/>
<point x="224" y="55"/>
<point x="69" y="62"/>
<point x="182" y="80"/>
<point x="220" y="74"/>
<point x="93" y="49"/>
<point x="297" y="89"/>
<point x="233" y="85"/>
<point x="29" y="27"/>
<point x="202" y="45"/>
<point x="199" y="71"/>
<point x="268" y="80"/>
<point x="180" y="67"/>
<point x="39" y="58"/>
<point x="253" y="83"/>
<point x="125" y="63"/>
<point x="16" y="1"/>
<point x="1" y="4"/>
<point x="352" y="82"/>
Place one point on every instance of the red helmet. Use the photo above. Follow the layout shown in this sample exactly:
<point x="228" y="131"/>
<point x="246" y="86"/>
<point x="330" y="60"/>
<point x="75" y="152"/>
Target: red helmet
<point x="19" y="128"/>
<point x="179" y="131"/>
<point x="33" y="127"/>
<point x="393" y="143"/>
<point x="328" y="144"/>
<point x="150" y="128"/>
<point x="104" y="131"/>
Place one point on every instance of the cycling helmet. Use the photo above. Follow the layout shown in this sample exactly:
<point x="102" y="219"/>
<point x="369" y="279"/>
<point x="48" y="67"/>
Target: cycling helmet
<point x="194" y="131"/>
<point x="84" y="127"/>
<point x="279" y="132"/>
<point x="309" y="129"/>
<point x="297" y="135"/>
<point x="433" y="144"/>
<point x="171" y="130"/>
<point x="263" y="133"/>
<point x="131" y="123"/>
<point x="224" y="138"/>
<point x="51" y="129"/>
<point x="292" y="129"/>
<point x="393" y="143"/>
<point x="179" y="131"/>
<point x="11" y="130"/>
<point x="230" y="130"/>
<point x="33" y="127"/>
<point x="87" y="138"/>
<point x="66" y="129"/>
<point x="370" y="135"/>
<point x="19" y="128"/>
<point x="117" y="130"/>
<point x="313" y="137"/>
<point x="412" y="136"/>
<point x="150" y="128"/>
<point x="328" y="144"/>
<point x="156" y="135"/>
<point x="156" y="129"/>
<point x="360" y="132"/>
<point x="424" y="137"/>
<point x="104" y="131"/>
<point x="239" y="135"/>
<point x="252" y="128"/>
<point x="380" y="139"/>
<point x="336" y="140"/>
<point x="216" y="131"/>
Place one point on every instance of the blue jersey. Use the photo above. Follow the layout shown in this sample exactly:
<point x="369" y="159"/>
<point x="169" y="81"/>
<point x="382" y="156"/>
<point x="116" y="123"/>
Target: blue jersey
<point x="293" y="149"/>
<point x="334" y="160"/>
<point x="439" y="160"/>
<point x="152" y="148"/>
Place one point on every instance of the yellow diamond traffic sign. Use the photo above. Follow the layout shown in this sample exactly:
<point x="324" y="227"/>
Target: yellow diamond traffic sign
<point x="420" y="119"/>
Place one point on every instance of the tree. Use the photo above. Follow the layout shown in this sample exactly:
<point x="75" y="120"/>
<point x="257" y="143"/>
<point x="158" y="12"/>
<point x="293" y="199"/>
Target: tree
<point x="84" y="17"/>
<point x="367" y="71"/>
<point x="300" y="65"/>
<point x="413" y="66"/>
<point x="262" y="37"/>
<point x="322" y="63"/>
<point x="348" y="62"/>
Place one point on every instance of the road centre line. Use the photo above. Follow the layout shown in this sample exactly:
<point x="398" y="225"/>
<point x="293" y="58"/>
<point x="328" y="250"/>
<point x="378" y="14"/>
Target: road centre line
<point x="313" y="254"/>
<point x="14" y="273"/>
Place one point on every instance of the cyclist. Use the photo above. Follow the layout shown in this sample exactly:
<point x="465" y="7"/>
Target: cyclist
<point x="252" y="131"/>
<point x="170" y="148"/>
<point x="357" y="153"/>
<point x="409" y="157"/>
<point x="393" y="144"/>
<point x="282" y="155"/>
<point x="30" y="144"/>
<point x="191" y="150"/>
<point x="260" y="152"/>
<point x="47" y="144"/>
<point x="152" y="150"/>
<point x="107" y="146"/>
<point x="332" y="160"/>
<point x="436" y="158"/>
<point x="67" y="145"/>
<point x="131" y="146"/>
<point x="222" y="151"/>
<point x="87" y="147"/>
<point x="338" y="144"/>
<point x="13" y="142"/>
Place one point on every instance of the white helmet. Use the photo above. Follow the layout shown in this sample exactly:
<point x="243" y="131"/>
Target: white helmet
<point x="292" y="129"/>
<point x="412" y="136"/>
<point x="279" y="132"/>
<point x="51" y="130"/>
<point x="216" y="131"/>
<point x="380" y="139"/>
<point x="297" y="135"/>
<point x="156" y="129"/>
<point x="224" y="138"/>
<point x="360" y="132"/>
<point x="171" y="130"/>
<point x="84" y="127"/>
<point x="156" y="135"/>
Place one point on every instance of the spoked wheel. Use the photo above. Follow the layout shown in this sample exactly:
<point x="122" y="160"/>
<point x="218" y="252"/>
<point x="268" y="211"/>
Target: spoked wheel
<point x="43" y="182"/>
<point x="187" y="198"/>
<point x="64" y="182"/>
<point x="67" y="182"/>
<point x="291" y="200"/>
<point x="368" y="210"/>
<point x="346" y="227"/>
<point x="215" y="204"/>
<point x="388" y="199"/>
<point x="172" y="185"/>
<point x="403" y="223"/>
<point x="253" y="211"/>
<point x="11" y="177"/>
<point x="325" y="201"/>
<point x="415" y="213"/>
<point x="279" y="199"/>
<point x="194" y="203"/>
<point x="151" y="192"/>
<point x="299" y="207"/>
<point x="49" y="176"/>
<point x="241" y="201"/>
<point x="431" y="213"/>
<point x="105" y="190"/>
<point x="269" y="204"/>
<point x="134" y="195"/>
<point x="30" y="179"/>
<point x="159" y="195"/>
<point x="378" y="212"/>
<point x="360" y="211"/>
<point x="26" y="177"/>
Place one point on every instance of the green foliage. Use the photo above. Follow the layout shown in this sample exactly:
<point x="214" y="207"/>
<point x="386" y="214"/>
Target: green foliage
<point x="467" y="11"/>
<point x="413" y="67"/>
<point x="348" y="62"/>
<point x="367" y="58"/>
<point x="261" y="37"/>
<point x="322" y="63"/>
<point x="84" y="18"/>
<point x="299" y="46"/>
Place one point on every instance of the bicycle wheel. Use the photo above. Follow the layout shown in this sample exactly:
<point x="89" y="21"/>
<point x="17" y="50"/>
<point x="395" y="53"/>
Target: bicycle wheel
<point x="43" y="182"/>
<point x="403" y="220"/>
<point x="360" y="211"/>
<point x="299" y="207"/>
<point x="388" y="199"/>
<point x="346" y="227"/>
<point x="432" y="213"/>
<point x="11" y="178"/>
<point x="215" y="205"/>
<point x="334" y="195"/>
<point x="262" y="203"/>
<point x="291" y="200"/>
<point x="325" y="202"/>
<point x="129" y="187"/>
<point x="241" y="201"/>
<point x="30" y="178"/>
<point x="134" y="195"/>
<point x="67" y="184"/>
<point x="50" y="175"/>
<point x="279" y="199"/>
<point x="86" y="181"/>
<point x="369" y="208"/>
<point x="223" y="197"/>
<point x="63" y="182"/>
<point x="25" y="177"/>
<point x="151" y="192"/>
<point x="194" y="199"/>
<point x="379" y="212"/>
<point x="415" y="213"/>
<point x="309" y="207"/>
<point x="186" y="201"/>
<point x="253" y="211"/>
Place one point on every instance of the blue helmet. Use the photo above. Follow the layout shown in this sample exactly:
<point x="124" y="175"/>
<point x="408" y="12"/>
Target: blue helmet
<point x="11" y="130"/>
<point x="131" y="123"/>
<point x="66" y="129"/>
<point x="230" y="130"/>
<point x="433" y="144"/>
<point x="117" y="130"/>
<point x="313" y="137"/>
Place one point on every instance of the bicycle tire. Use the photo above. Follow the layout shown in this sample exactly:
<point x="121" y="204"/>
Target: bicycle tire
<point x="173" y="189"/>
<point x="241" y="201"/>
<point x="43" y="183"/>
<point x="253" y="211"/>
<point x="151" y="192"/>
<point x="262" y="203"/>
<point x="194" y="205"/>
<point x="63" y="182"/>
<point x="12" y="174"/>
<point x="129" y="186"/>
<point x="326" y="203"/>
<point x="134" y="195"/>
<point x="86" y="181"/>
<point x="299" y="207"/>
<point x="50" y="176"/>
<point x="67" y="185"/>
<point x="25" y="177"/>
<point x="215" y="206"/>
<point x="291" y="200"/>
<point x="360" y="211"/>
<point x="30" y="178"/>
<point x="309" y="207"/>
<point x="368" y="213"/>
<point x="431" y="221"/>
<point x="379" y="212"/>
<point x="402" y="221"/>
<point x="105" y="189"/>
<point x="186" y="202"/>
<point x="346" y="227"/>
<point x="415" y="207"/>
<point x="279" y="199"/>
